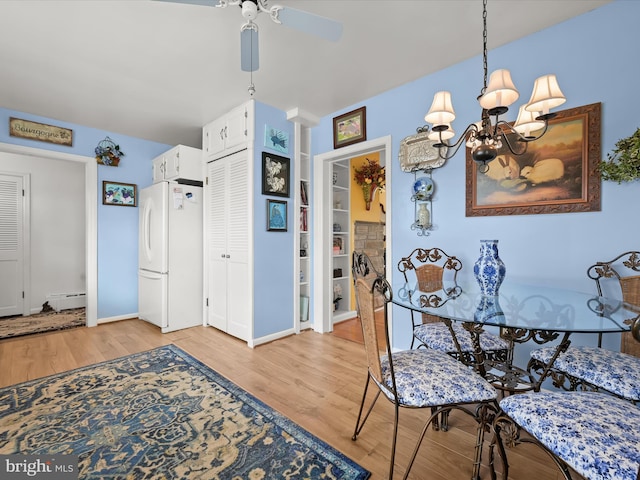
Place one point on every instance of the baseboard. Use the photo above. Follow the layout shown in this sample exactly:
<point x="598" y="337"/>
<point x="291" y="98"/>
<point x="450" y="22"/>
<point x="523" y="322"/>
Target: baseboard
<point x="270" y="338"/>
<point x="117" y="318"/>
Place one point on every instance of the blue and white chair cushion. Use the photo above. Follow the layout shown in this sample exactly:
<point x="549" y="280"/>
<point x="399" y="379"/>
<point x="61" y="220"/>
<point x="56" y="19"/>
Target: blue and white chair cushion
<point x="438" y="337"/>
<point x="594" y="433"/>
<point x="430" y="378"/>
<point x="615" y="372"/>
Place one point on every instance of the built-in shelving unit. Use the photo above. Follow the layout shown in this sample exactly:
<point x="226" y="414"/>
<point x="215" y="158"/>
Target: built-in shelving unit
<point x="341" y="242"/>
<point x="304" y="210"/>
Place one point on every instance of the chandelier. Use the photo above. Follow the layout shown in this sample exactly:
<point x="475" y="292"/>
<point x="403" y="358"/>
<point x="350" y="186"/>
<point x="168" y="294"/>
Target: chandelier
<point x="491" y="133"/>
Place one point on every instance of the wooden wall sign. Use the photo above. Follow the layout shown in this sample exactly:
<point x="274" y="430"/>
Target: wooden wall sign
<point x="40" y="131"/>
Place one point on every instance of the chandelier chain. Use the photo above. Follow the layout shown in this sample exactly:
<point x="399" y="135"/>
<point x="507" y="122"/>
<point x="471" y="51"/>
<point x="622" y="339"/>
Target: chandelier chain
<point x="484" y="44"/>
<point x="486" y="137"/>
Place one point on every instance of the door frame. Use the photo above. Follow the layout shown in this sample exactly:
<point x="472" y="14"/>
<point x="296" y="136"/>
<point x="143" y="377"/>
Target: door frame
<point x="322" y="222"/>
<point x="91" y="218"/>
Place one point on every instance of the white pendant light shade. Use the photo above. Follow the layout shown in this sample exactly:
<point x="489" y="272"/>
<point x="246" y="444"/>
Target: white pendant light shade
<point x="501" y="92"/>
<point x="444" y="135"/>
<point x="546" y="95"/>
<point x="526" y="122"/>
<point x="441" y="111"/>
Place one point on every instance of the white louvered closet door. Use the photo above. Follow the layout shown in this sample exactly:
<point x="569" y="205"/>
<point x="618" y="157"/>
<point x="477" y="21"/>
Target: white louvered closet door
<point x="11" y="246"/>
<point x="228" y="244"/>
<point x="238" y="306"/>
<point x="216" y="207"/>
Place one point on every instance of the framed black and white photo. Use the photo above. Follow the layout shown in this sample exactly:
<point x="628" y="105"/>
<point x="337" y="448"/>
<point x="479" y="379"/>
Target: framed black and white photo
<point x="275" y="175"/>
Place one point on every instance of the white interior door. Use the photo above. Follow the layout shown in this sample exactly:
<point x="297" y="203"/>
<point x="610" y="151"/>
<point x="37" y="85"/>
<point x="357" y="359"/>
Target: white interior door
<point x="227" y="213"/>
<point x="238" y="311"/>
<point x="11" y="245"/>
<point x="216" y="211"/>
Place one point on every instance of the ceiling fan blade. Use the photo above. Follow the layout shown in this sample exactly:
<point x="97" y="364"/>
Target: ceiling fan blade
<point x="249" y="58"/>
<point x="206" y="3"/>
<point x="310" y="23"/>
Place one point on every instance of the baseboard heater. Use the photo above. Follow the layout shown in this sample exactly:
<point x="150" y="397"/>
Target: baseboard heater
<point x="65" y="301"/>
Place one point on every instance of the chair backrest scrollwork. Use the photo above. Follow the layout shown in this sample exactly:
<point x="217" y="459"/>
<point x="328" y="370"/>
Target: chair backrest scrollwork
<point x="621" y="274"/>
<point x="434" y="273"/>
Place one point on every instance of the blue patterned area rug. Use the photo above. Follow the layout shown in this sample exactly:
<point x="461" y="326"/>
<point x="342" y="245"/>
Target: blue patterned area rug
<point x="161" y="414"/>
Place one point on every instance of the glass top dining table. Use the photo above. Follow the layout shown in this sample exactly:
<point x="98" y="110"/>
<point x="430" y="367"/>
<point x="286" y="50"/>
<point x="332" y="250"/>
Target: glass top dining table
<point x="521" y="306"/>
<point x="523" y="312"/>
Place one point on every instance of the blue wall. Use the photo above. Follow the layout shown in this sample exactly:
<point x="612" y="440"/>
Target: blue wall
<point x="594" y="56"/>
<point x="117" y="226"/>
<point x="273" y="258"/>
<point x="595" y="59"/>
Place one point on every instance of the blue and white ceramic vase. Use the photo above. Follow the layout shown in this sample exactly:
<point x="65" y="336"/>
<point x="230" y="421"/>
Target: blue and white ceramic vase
<point x="488" y="309"/>
<point x="489" y="269"/>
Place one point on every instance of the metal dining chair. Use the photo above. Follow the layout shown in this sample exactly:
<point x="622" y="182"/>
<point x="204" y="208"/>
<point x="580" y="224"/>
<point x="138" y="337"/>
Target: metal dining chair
<point x="414" y="378"/>
<point x="435" y="273"/>
<point x="595" y="434"/>
<point x="597" y="368"/>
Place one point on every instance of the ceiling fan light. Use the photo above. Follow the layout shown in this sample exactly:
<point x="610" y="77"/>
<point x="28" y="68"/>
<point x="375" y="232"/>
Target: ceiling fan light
<point x="249" y="10"/>
<point x="526" y="122"/>
<point x="501" y="92"/>
<point x="546" y="95"/>
<point x="441" y="111"/>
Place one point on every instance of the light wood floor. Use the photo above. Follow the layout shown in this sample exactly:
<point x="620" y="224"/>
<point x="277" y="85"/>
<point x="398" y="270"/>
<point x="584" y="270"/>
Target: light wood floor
<point x="316" y="380"/>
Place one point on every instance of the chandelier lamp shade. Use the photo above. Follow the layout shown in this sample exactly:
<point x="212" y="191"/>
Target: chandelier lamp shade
<point x="489" y="134"/>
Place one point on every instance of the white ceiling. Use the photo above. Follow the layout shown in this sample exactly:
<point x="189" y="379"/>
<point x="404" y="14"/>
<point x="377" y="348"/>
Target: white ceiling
<point x="160" y="71"/>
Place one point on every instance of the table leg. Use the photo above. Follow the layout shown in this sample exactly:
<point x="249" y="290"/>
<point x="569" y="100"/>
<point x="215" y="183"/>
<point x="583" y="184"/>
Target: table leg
<point x="547" y="370"/>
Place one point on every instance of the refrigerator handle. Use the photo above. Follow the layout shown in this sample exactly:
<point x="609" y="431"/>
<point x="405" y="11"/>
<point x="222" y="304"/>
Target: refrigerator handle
<point x="147" y="230"/>
<point x="150" y="274"/>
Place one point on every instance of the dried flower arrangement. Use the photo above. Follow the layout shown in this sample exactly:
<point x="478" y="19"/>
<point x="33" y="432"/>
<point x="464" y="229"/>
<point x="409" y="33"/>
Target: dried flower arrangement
<point x="108" y="153"/>
<point x="370" y="177"/>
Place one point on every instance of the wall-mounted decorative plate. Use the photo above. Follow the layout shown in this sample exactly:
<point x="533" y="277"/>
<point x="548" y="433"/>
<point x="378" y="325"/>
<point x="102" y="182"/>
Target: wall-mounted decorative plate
<point x="423" y="188"/>
<point x="418" y="153"/>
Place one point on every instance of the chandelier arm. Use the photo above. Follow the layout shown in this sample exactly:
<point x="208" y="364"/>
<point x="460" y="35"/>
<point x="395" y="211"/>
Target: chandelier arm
<point x="506" y="141"/>
<point x="507" y="126"/>
<point x="453" y="149"/>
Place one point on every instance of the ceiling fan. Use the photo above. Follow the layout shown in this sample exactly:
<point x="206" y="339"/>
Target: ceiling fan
<point x="304" y="21"/>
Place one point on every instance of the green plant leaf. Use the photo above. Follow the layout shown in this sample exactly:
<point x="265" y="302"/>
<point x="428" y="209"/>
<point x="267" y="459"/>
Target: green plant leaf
<point x="623" y="163"/>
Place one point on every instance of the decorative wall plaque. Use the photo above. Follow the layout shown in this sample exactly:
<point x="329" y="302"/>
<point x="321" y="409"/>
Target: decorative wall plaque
<point x="40" y="131"/>
<point x="418" y="153"/>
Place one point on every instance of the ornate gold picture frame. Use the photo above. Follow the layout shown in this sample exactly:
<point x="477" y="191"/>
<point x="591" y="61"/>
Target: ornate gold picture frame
<point x="559" y="173"/>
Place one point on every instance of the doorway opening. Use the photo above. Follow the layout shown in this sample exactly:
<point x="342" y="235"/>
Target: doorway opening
<point x="91" y="206"/>
<point x="323" y="240"/>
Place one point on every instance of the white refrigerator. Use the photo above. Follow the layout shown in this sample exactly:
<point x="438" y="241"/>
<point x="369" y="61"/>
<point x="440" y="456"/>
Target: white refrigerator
<point x="170" y="256"/>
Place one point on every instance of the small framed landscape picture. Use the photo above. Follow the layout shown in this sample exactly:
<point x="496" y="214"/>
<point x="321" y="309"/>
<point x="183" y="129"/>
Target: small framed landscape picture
<point x="276" y="215"/>
<point x="121" y="194"/>
<point x="350" y="128"/>
<point x="275" y="175"/>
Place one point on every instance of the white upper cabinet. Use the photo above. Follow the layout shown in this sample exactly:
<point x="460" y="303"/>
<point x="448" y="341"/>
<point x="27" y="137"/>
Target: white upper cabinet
<point x="180" y="163"/>
<point x="228" y="134"/>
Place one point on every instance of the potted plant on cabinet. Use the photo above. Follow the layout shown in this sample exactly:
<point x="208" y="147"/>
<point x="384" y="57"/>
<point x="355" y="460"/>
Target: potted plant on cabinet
<point x="624" y="160"/>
